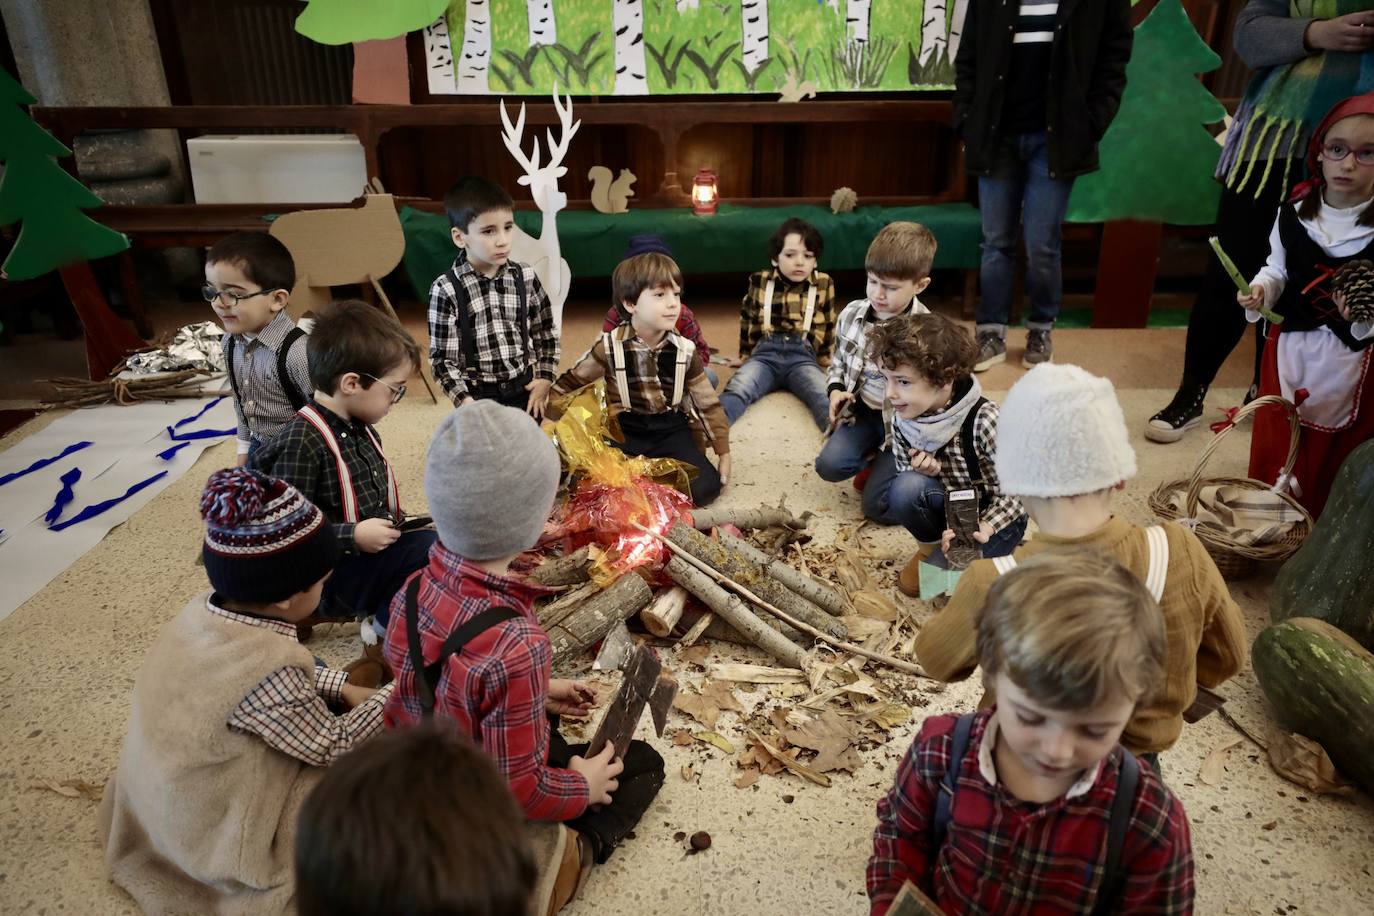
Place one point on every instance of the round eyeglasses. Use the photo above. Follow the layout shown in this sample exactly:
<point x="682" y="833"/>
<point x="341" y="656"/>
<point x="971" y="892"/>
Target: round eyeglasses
<point x="211" y="294"/>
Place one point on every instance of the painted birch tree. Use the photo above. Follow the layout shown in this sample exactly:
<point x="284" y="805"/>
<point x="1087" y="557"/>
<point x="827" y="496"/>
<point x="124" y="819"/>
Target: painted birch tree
<point x="627" y="23"/>
<point x="474" y="58"/>
<point x="956" y="27"/>
<point x="543" y="27"/>
<point x="439" y="67"/>
<point x="934" y="37"/>
<point x="685" y="5"/>
<point x="856" y="16"/>
<point x="754" y="18"/>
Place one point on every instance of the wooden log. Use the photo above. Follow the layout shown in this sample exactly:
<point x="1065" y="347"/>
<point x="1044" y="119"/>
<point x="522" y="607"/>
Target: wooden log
<point x="823" y="596"/>
<point x="551" y="613"/>
<point x="565" y="570"/>
<point x="729" y="562"/>
<point x="660" y="617"/>
<point x="762" y="517"/>
<point x="704" y="624"/>
<point x="731" y="609"/>
<point x="594" y="618"/>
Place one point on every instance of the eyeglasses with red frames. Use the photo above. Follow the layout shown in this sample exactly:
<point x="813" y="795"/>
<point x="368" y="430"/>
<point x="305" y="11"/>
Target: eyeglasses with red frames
<point x="1336" y="152"/>
<point x="397" y="391"/>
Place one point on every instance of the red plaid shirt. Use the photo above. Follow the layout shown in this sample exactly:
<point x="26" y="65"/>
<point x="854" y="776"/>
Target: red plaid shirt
<point x="686" y="326"/>
<point x="1006" y="856"/>
<point x="495" y="689"/>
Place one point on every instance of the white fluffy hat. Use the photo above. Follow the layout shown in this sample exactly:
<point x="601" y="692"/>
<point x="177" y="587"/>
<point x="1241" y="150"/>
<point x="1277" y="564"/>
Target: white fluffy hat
<point x="1061" y="433"/>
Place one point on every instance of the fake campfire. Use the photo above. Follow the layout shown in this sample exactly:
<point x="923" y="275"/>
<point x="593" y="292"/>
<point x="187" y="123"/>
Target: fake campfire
<point x="627" y="546"/>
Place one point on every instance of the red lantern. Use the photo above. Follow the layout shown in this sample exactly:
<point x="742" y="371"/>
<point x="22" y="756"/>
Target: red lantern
<point x="705" y="197"/>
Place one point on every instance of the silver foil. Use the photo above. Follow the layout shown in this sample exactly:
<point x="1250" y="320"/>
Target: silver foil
<point x="195" y="346"/>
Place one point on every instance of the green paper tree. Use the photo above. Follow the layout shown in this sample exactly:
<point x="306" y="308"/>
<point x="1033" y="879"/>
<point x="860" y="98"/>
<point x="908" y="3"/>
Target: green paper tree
<point x="1157" y="157"/>
<point x="341" y="22"/>
<point x="38" y="194"/>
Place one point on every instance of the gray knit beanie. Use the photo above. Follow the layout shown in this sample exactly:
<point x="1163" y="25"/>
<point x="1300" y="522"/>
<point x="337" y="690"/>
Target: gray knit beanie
<point x="1061" y="432"/>
<point x="490" y="476"/>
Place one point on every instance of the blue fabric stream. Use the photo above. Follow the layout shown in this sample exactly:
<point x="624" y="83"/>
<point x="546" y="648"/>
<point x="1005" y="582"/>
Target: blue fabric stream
<point x="41" y="463"/>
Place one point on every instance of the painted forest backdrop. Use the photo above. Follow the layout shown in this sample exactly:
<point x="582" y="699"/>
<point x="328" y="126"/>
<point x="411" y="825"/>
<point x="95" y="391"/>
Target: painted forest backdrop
<point x="655" y="47"/>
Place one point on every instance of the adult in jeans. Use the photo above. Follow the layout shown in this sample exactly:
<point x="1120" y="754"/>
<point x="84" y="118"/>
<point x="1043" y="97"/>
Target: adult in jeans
<point x="1035" y="86"/>
<point x="1305" y="67"/>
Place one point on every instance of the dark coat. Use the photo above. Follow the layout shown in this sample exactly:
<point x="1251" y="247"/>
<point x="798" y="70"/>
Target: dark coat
<point x="1092" y="45"/>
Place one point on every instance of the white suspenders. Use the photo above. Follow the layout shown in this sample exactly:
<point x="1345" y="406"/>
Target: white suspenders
<point x="768" y="308"/>
<point x="615" y="352"/>
<point x="1157" y="541"/>
<point x="346" y="495"/>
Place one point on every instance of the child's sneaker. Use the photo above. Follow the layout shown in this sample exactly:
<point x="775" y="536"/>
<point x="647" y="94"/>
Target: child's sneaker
<point x="1183" y="413"/>
<point x="1039" y="348"/>
<point x="992" y="349"/>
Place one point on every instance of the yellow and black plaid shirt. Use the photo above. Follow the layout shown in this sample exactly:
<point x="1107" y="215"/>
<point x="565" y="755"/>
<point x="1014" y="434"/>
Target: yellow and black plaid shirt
<point x="789" y="310"/>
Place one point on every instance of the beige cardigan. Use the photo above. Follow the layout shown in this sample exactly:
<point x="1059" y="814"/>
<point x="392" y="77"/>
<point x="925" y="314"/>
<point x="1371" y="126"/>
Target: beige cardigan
<point x="200" y="818"/>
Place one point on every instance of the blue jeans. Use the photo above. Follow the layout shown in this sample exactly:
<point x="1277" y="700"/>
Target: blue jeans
<point x="1021" y="192"/>
<point x="363" y="584"/>
<point x="917" y="503"/>
<point x="779" y="361"/>
<point x="847" y="451"/>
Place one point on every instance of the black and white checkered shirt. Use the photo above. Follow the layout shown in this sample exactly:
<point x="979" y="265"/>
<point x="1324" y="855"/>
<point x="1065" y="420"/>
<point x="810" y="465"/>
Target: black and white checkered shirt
<point x="504" y="349"/>
<point x="262" y="405"/>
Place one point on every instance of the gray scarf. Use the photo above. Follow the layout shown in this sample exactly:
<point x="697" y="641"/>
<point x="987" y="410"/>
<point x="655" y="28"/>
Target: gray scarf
<point x="932" y="432"/>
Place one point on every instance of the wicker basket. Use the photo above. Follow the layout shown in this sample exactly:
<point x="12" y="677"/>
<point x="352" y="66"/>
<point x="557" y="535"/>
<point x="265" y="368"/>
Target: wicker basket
<point x="1236" y="560"/>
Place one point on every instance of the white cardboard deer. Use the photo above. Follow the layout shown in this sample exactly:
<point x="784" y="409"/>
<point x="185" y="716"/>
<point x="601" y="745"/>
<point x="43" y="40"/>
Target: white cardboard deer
<point x="543" y="253"/>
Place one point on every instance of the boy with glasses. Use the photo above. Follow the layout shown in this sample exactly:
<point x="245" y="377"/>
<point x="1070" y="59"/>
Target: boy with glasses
<point x="359" y="362"/>
<point x="248" y="282"/>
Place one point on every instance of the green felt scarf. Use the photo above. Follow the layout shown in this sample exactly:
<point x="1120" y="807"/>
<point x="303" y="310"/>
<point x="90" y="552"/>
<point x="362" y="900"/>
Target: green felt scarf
<point x="1283" y="104"/>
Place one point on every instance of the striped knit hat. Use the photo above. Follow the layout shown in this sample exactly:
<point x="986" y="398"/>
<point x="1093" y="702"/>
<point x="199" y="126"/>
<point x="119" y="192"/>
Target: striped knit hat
<point x="264" y="541"/>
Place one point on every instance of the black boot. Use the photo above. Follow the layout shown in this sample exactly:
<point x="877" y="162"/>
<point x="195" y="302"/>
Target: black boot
<point x="1183" y="413"/>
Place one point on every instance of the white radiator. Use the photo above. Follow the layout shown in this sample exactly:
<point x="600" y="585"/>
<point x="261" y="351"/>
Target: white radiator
<point x="281" y="168"/>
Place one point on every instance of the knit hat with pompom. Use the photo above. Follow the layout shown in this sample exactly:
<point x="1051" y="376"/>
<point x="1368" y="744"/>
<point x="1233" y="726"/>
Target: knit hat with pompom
<point x="264" y="541"/>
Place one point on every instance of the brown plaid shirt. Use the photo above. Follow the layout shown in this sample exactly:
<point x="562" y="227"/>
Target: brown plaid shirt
<point x="789" y="310"/>
<point x="649" y="376"/>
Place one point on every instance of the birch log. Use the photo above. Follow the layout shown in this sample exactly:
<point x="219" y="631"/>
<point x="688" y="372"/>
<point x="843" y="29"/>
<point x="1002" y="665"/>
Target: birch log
<point x="733" y="611"/>
<point x="660" y="617"/>
<point x="566" y="570"/>
<point x="824" y="597"/>
<point x="626" y="597"/>
<point x="726" y="560"/>
<point x="762" y="517"/>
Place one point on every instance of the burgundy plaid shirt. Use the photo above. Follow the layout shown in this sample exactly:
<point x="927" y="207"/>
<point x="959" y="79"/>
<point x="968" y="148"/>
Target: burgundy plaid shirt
<point x="1006" y="856"/>
<point x="495" y="689"/>
<point x="686" y="326"/>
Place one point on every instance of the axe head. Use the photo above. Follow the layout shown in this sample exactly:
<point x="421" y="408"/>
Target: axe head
<point x="617" y="648"/>
<point x="661" y="701"/>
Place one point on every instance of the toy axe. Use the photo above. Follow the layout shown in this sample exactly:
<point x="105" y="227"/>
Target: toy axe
<point x="645" y="684"/>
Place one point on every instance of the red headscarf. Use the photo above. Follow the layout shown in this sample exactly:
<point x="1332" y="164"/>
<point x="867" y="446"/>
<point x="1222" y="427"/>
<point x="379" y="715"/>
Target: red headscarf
<point x="1355" y="105"/>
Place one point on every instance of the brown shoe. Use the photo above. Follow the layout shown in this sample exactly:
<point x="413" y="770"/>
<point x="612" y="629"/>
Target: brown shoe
<point x="305" y="628"/>
<point x="572" y="871"/>
<point x="365" y="672"/>
<point x="909" y="579"/>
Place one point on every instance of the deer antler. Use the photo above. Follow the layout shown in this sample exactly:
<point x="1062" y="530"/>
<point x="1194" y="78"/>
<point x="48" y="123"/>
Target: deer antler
<point x="569" y="127"/>
<point x="512" y="136"/>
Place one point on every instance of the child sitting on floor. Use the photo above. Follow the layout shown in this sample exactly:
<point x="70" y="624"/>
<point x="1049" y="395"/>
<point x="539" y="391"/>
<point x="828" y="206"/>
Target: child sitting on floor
<point x="230" y="724"/>
<point x="248" y="282"/>
<point x="1318" y="358"/>
<point x="466" y="645"/>
<point x="360" y="360"/>
<point x="656" y="383"/>
<point x="943" y="437"/>
<point x="898" y="265"/>
<point x="787" y="326"/>
<point x="491" y="330"/>
<point x="1062" y="449"/>
<point x="1034" y="805"/>
<point x="356" y="849"/>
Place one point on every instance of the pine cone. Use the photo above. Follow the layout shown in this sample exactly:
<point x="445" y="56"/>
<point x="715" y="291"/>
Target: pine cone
<point x="1356" y="280"/>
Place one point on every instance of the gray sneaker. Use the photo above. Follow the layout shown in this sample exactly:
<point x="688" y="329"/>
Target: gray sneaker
<point x="1039" y="348"/>
<point x="992" y="349"/>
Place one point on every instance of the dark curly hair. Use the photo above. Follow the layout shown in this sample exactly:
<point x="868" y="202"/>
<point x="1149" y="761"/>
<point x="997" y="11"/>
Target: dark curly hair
<point x="939" y="350"/>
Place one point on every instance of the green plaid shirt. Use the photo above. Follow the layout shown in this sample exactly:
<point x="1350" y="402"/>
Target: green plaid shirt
<point x="789" y="310"/>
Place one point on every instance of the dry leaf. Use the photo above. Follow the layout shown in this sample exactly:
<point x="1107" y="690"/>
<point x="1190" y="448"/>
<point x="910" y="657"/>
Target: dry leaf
<point x="70" y="788"/>
<point x="720" y="693"/>
<point x="746" y="778"/>
<point x="1214" y="767"/>
<point x="863" y="628"/>
<point x="689" y="772"/>
<point x="800" y="769"/>
<point x="851" y="569"/>
<point x="1305" y="762"/>
<point x="874" y="604"/>
<point x="715" y="740"/>
<point x="698" y="707"/>
<point x="889" y="716"/>
<point x="696" y="655"/>
<point x="682" y="737"/>
<point x="831" y="736"/>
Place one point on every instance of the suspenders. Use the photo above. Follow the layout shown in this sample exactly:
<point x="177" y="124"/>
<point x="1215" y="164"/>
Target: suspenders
<point x="467" y="323"/>
<point x="615" y="355"/>
<point x="768" y="308"/>
<point x="346" y="494"/>
<point x="297" y="398"/>
<point x="1156" y="540"/>
<point x="427" y="676"/>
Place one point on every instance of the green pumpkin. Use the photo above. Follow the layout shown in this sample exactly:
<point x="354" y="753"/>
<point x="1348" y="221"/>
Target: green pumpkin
<point x="1331" y="577"/>
<point x="1321" y="684"/>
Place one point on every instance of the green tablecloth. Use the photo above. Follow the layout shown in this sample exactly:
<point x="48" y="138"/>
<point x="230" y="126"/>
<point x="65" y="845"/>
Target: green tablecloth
<point x="734" y="240"/>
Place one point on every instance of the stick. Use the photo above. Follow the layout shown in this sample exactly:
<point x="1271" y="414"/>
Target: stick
<point x="723" y="558"/>
<point x="733" y="611"/>
<point x="660" y="617"/>
<point x="692" y="635"/>
<point x="891" y="662"/>
<point x="762" y="517"/>
<point x="824" y="597"/>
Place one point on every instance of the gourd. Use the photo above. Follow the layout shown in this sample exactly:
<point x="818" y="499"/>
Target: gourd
<point x="1321" y="684"/>
<point x="1331" y="577"/>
